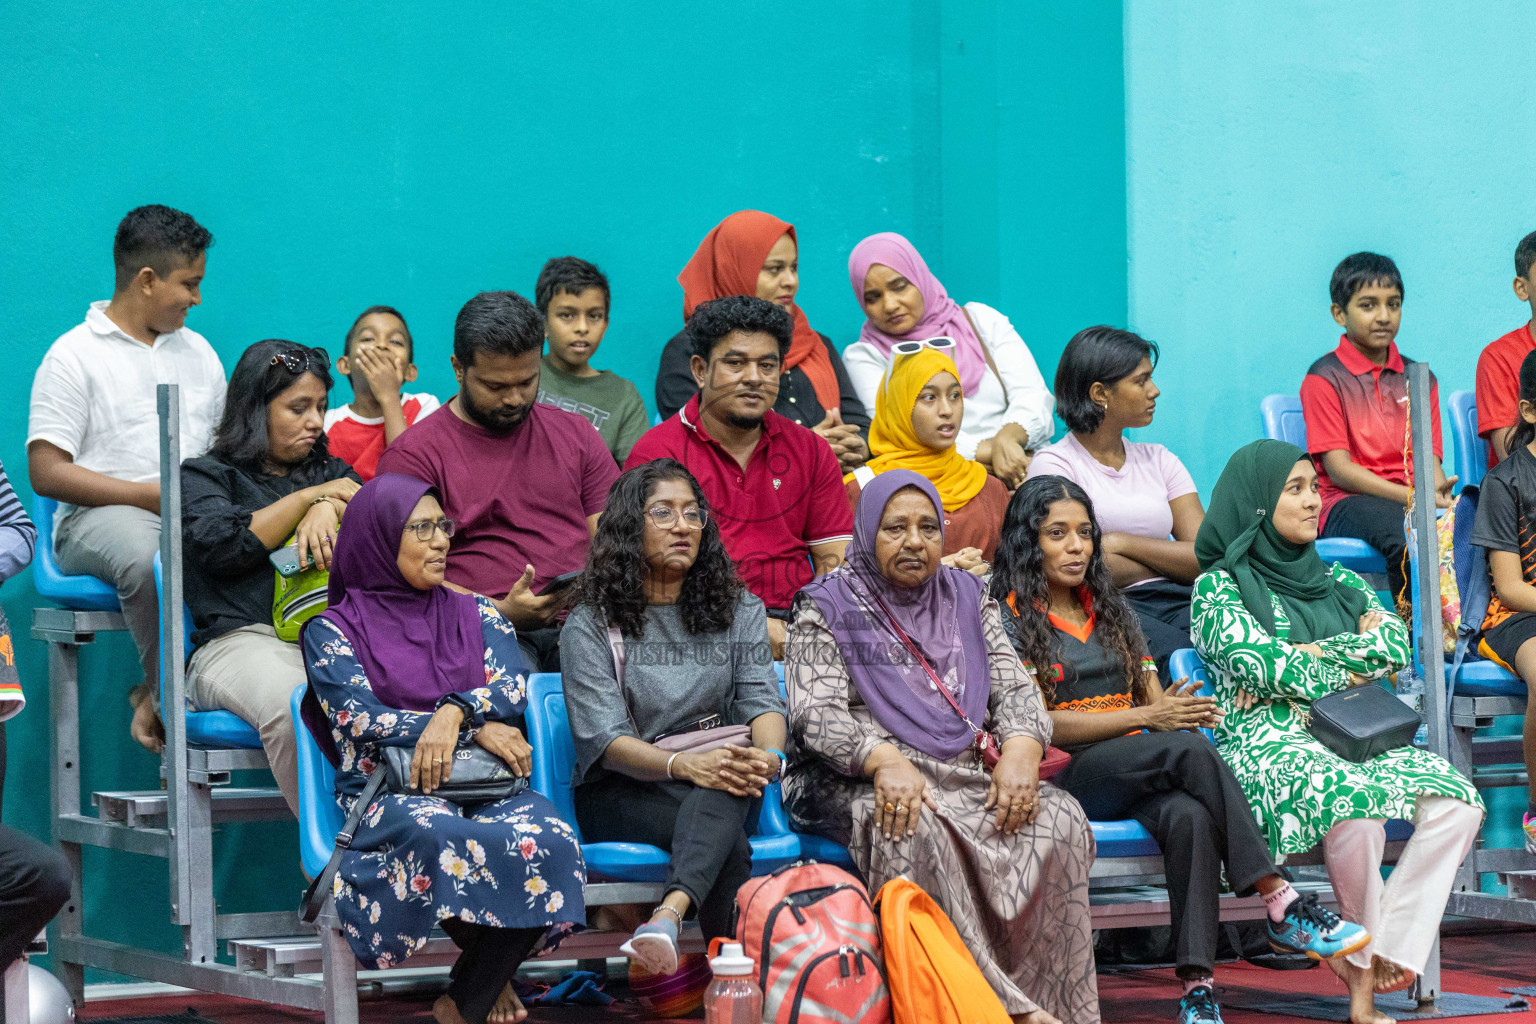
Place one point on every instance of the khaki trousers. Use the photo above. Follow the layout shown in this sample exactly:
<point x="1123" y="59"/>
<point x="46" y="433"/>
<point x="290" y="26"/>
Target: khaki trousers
<point x="252" y="673"/>
<point x="117" y="545"/>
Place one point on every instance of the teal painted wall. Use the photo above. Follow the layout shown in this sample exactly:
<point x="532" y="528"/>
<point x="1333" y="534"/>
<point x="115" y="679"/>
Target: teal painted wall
<point x="417" y="154"/>
<point x="1266" y="142"/>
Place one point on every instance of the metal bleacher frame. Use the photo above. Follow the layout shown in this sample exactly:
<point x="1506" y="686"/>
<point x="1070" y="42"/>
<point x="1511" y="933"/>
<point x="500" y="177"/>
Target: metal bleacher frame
<point x="1482" y="694"/>
<point x="175" y="823"/>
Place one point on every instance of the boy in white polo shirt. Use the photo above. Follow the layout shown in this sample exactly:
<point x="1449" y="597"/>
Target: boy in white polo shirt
<point x="93" y="439"/>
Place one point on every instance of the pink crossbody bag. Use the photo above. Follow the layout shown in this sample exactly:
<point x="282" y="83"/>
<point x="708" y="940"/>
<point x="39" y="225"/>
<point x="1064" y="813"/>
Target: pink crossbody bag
<point x="703" y="737"/>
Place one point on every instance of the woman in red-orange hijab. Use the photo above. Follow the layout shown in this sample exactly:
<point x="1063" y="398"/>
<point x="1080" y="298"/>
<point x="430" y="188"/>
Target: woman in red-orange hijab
<point x="755" y="253"/>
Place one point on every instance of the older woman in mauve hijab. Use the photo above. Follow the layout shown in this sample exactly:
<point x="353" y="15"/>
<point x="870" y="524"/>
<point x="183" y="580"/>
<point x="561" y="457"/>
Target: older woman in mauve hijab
<point x="890" y="764"/>
<point x="400" y="660"/>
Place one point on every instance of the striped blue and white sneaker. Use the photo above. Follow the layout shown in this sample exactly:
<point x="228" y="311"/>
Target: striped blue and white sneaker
<point x="1311" y="928"/>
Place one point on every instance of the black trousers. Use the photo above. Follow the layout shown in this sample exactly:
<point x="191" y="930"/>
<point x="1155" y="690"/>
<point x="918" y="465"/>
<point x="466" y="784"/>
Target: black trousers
<point x="705" y="831"/>
<point x="34" y="883"/>
<point x="1179" y="788"/>
<point x="541" y="647"/>
<point x="490" y="957"/>
<point x="1162" y="608"/>
<point x="1379" y="523"/>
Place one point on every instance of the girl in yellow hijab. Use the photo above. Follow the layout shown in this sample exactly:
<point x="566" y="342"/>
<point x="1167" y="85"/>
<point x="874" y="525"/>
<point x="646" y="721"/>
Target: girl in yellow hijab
<point x="917" y="415"/>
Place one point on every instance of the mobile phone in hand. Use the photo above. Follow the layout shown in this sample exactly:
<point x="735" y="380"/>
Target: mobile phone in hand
<point x="286" y="561"/>
<point x="559" y="583"/>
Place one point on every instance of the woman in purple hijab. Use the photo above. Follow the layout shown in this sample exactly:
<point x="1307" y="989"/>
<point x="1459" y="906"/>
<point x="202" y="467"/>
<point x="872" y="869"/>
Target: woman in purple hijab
<point x="889" y="762"/>
<point x="400" y="660"/>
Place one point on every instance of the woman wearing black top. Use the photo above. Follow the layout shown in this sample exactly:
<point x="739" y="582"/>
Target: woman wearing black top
<point x="1136" y="750"/>
<point x="268" y="477"/>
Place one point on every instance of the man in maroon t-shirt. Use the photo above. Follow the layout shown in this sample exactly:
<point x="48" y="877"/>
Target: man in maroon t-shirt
<point x="775" y="487"/>
<point x="524" y="482"/>
<point x="1498" y="368"/>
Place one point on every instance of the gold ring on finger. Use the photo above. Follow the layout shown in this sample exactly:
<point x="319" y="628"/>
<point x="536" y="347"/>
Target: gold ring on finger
<point x="890" y="807"/>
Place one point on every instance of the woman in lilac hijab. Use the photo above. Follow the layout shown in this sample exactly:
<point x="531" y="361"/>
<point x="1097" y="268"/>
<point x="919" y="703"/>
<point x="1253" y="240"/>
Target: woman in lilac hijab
<point x="400" y="660"/>
<point x="889" y="764"/>
<point x="1007" y="405"/>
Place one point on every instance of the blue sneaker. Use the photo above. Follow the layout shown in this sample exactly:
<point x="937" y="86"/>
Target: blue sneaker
<point x="1199" y="1007"/>
<point x="1313" y="929"/>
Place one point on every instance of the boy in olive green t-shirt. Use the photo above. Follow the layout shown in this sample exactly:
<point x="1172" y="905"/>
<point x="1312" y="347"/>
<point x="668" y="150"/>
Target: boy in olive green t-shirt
<point x="573" y="296"/>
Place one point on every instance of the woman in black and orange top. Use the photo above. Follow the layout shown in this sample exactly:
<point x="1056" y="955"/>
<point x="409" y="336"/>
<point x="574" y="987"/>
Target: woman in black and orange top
<point x="1136" y="751"/>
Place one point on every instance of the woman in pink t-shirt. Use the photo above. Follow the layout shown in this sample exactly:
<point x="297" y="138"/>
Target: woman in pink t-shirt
<point x="1147" y="504"/>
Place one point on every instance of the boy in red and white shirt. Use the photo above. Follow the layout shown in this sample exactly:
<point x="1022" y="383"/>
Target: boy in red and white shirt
<point x="378" y="363"/>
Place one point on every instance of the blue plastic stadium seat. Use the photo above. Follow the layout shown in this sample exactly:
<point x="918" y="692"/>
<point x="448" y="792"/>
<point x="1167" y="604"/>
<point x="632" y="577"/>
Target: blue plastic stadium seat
<point x="554" y="761"/>
<point x="1283" y="422"/>
<point x="1479" y="677"/>
<point x="320" y="817"/>
<point x="219" y="729"/>
<point x="1487" y="679"/>
<point x="1123" y="839"/>
<point x="1471" y="450"/>
<point x="80" y="593"/>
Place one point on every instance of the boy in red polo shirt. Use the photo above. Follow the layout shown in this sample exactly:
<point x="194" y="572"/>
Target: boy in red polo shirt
<point x="776" y="488"/>
<point x="1355" y="402"/>
<point x="1498" y="368"/>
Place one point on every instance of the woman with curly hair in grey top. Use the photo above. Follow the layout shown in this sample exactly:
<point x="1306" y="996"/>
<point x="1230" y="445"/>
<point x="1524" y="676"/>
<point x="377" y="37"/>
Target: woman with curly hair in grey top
<point x="665" y="640"/>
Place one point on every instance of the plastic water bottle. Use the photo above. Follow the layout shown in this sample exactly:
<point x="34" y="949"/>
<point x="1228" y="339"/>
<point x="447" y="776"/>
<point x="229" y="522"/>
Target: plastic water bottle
<point x="733" y="997"/>
<point x="1410" y="690"/>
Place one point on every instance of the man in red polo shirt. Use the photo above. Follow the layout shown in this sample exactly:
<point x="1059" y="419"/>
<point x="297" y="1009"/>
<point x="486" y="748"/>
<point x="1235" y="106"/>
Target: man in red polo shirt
<point x="1355" y="402"/>
<point x="776" y="488"/>
<point x="1498" y="368"/>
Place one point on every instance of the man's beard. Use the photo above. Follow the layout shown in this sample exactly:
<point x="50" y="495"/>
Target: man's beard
<point x="500" y="421"/>
<point x="741" y="422"/>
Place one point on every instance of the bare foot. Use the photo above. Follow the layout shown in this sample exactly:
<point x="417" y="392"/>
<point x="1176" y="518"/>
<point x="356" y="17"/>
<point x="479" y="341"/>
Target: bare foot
<point x="1034" y="1017"/>
<point x="1362" y="998"/>
<point x="508" y="1008"/>
<point x="446" y="1011"/>
<point x="146" y="728"/>
<point x="1389" y="977"/>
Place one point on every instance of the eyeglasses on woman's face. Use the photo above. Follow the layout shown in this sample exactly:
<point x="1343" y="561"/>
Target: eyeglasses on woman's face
<point x="911" y="348"/>
<point x="424" y="528"/>
<point x="303" y="359"/>
<point x="665" y="516"/>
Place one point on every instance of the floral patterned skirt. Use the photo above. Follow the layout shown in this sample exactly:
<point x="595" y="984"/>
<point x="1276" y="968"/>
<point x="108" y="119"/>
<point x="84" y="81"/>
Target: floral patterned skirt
<point x="418" y="859"/>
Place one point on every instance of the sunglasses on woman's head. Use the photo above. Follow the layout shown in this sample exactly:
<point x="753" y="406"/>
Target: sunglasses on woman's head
<point x="304" y="359"/>
<point x="912" y="348"/>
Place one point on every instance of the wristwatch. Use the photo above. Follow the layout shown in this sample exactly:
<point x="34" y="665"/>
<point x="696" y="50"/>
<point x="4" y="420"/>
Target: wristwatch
<point x="459" y="701"/>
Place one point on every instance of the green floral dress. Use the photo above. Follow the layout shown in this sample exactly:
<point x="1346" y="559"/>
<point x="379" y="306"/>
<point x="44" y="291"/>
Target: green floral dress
<point x="1298" y="788"/>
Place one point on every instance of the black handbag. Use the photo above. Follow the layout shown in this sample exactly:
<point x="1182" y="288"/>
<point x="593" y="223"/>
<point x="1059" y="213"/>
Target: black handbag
<point x="1362" y="722"/>
<point x="478" y="777"/>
